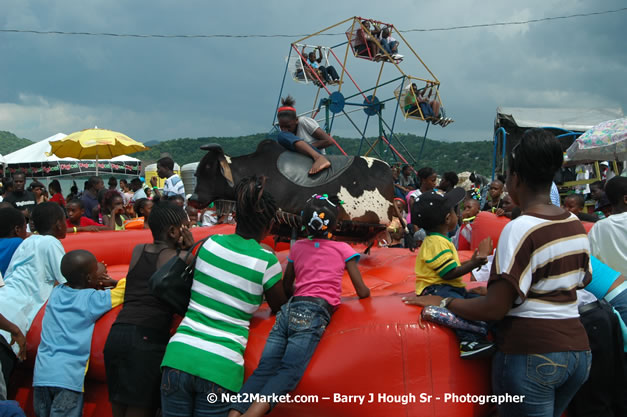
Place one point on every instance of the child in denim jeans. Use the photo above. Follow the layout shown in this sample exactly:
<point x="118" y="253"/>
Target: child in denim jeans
<point x="66" y="331"/>
<point x="314" y="277"/>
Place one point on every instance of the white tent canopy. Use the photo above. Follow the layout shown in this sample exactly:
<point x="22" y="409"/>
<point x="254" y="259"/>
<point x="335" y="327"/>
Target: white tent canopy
<point x="578" y="120"/>
<point x="35" y="162"/>
<point x="37" y="152"/>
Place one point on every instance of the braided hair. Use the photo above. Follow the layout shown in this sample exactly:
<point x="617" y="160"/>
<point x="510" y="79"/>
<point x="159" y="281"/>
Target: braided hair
<point x="320" y="215"/>
<point x="163" y="215"/>
<point x="255" y="208"/>
<point x="139" y="205"/>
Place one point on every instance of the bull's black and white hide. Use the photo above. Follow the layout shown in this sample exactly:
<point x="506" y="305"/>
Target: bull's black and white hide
<point x="365" y="185"/>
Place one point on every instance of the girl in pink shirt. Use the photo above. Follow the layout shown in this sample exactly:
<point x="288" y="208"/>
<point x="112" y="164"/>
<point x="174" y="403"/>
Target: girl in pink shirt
<point x="313" y="280"/>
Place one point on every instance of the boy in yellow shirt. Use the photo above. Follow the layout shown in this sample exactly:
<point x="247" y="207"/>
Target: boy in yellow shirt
<point x="438" y="269"/>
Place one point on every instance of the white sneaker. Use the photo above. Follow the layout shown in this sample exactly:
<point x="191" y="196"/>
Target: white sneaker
<point x="397" y="56"/>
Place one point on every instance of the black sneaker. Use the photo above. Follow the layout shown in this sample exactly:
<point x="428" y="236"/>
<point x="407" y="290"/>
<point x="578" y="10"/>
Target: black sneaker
<point x="470" y="350"/>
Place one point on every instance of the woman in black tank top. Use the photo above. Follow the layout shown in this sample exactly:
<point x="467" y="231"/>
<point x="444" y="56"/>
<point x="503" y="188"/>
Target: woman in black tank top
<point x="137" y="340"/>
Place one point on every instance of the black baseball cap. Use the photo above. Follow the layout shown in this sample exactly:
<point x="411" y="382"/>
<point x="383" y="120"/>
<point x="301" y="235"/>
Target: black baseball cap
<point x="431" y="208"/>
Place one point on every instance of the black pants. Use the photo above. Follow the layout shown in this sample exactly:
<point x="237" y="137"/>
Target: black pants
<point x="7" y="359"/>
<point x="329" y="73"/>
<point x="605" y="391"/>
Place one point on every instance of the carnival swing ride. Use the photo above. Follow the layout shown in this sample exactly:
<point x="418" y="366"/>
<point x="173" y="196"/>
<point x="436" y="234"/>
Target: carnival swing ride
<point x="339" y="95"/>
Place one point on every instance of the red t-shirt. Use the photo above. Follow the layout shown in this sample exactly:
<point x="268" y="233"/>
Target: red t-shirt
<point x="85" y="221"/>
<point x="58" y="198"/>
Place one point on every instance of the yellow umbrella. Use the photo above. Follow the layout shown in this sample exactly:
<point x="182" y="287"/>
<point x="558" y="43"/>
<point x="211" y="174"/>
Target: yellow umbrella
<point x="95" y="144"/>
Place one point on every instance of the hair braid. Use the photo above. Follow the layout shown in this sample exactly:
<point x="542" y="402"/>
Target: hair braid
<point x="320" y="215"/>
<point x="255" y="208"/>
<point x="163" y="215"/>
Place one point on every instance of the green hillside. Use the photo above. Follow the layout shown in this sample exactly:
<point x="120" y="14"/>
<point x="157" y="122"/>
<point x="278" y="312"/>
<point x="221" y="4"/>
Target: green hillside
<point x="442" y="156"/>
<point x="10" y="143"/>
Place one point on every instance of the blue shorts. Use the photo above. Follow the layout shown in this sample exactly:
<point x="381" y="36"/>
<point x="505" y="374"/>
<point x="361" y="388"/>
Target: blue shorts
<point x="287" y="140"/>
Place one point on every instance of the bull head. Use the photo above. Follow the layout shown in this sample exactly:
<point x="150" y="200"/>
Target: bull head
<point x="224" y="165"/>
<point x="214" y="179"/>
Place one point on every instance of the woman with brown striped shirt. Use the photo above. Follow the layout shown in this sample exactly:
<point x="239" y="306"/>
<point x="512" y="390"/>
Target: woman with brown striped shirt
<point x="542" y="258"/>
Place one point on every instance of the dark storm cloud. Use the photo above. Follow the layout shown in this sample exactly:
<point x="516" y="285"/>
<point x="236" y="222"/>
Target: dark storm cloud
<point x="165" y="88"/>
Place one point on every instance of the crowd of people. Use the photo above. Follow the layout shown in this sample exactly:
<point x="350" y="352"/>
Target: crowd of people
<point x="123" y="204"/>
<point x="146" y="368"/>
<point x="546" y="315"/>
<point x="555" y="298"/>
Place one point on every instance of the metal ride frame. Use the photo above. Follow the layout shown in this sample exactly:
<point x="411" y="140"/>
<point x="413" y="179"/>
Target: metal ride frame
<point x="334" y="105"/>
<point x="500" y="140"/>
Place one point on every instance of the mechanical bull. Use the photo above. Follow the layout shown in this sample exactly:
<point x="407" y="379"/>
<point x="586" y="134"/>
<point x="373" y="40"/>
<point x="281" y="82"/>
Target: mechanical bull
<point x="365" y="185"/>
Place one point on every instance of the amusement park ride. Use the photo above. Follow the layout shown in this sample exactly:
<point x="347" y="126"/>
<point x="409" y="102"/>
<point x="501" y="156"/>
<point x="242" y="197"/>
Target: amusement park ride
<point x="376" y="349"/>
<point x="415" y="97"/>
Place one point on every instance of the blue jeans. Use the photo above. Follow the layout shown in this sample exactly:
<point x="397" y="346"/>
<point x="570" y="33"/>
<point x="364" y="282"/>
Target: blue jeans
<point x="183" y="394"/>
<point x="11" y="409"/>
<point x="57" y="402"/>
<point x="389" y="47"/>
<point x="618" y="299"/>
<point x="291" y="344"/>
<point x="444" y="290"/>
<point x="549" y="381"/>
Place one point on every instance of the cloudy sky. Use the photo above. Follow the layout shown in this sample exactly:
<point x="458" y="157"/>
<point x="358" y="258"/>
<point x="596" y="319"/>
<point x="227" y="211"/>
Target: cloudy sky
<point x="156" y="89"/>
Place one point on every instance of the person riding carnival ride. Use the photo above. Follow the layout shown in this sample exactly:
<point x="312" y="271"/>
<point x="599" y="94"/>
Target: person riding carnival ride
<point x="363" y="43"/>
<point x="389" y="44"/>
<point x="303" y="135"/>
<point x="329" y="74"/>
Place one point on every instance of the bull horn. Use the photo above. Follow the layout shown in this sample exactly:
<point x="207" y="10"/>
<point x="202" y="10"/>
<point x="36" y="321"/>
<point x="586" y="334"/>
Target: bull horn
<point x="211" y="147"/>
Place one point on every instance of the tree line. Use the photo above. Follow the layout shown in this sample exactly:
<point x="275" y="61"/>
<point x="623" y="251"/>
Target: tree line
<point x="440" y="155"/>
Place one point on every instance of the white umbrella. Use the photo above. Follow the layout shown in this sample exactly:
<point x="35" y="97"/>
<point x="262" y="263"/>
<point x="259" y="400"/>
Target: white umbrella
<point x="606" y="141"/>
